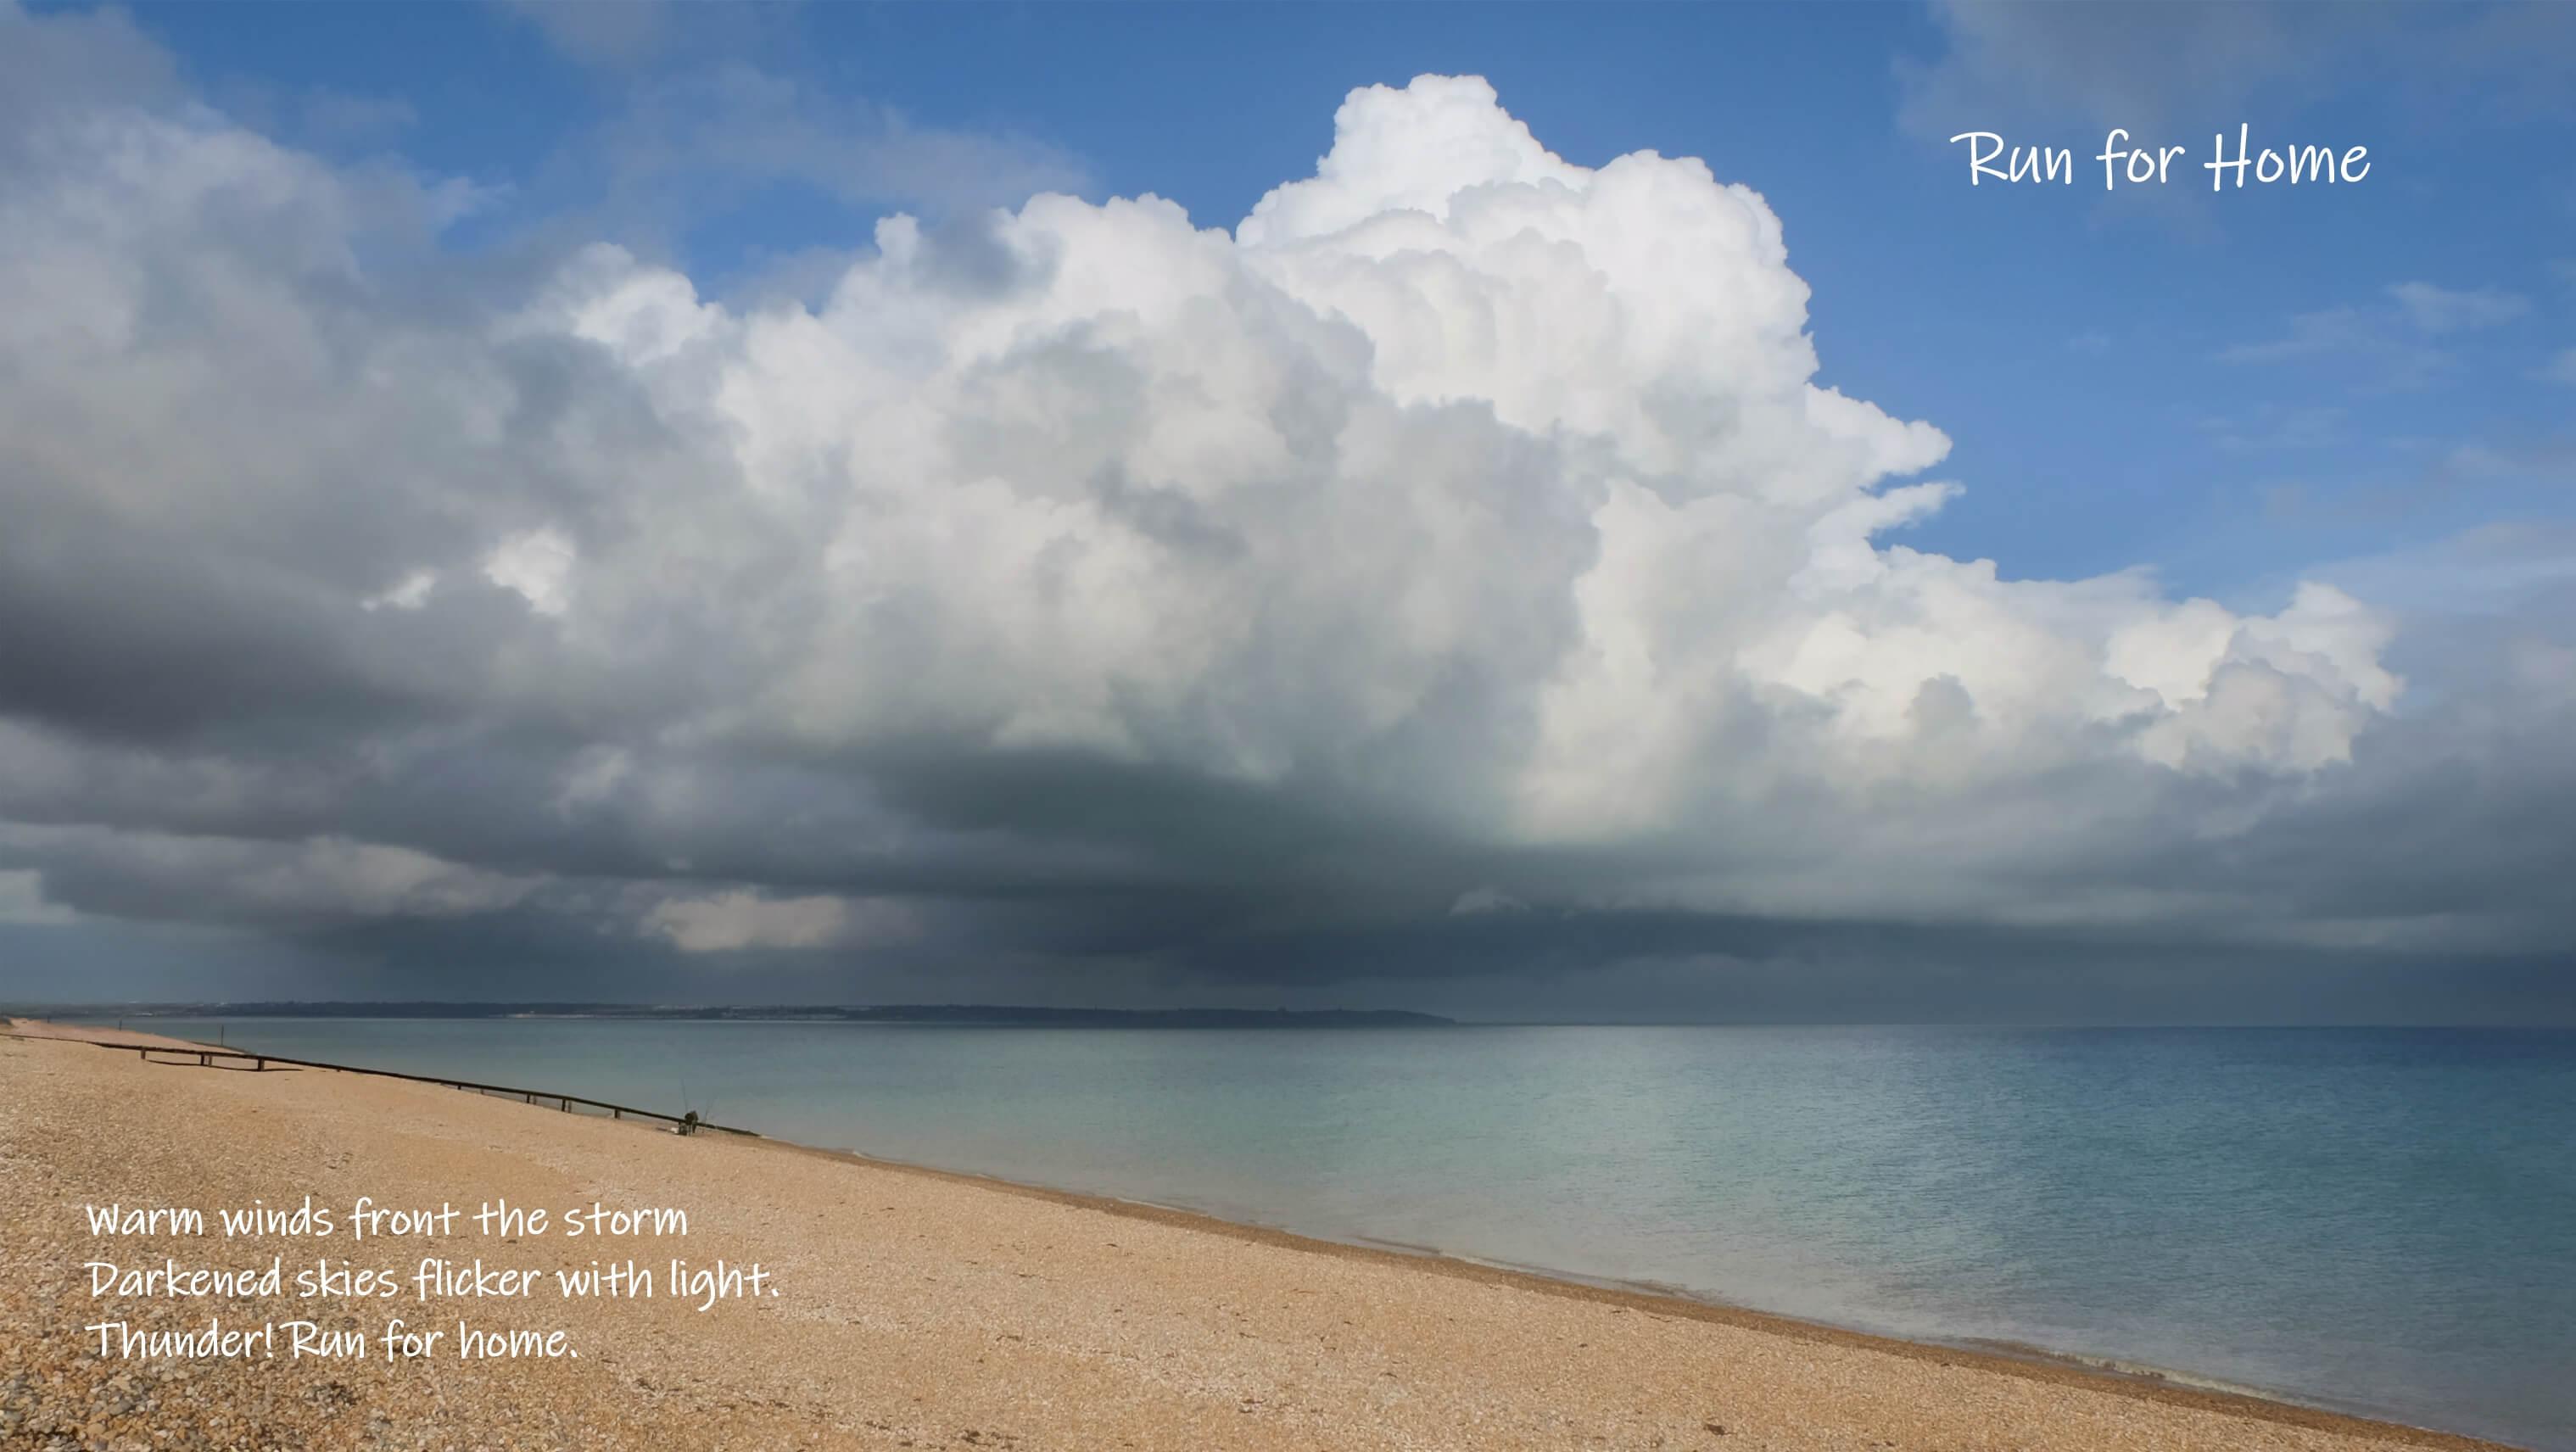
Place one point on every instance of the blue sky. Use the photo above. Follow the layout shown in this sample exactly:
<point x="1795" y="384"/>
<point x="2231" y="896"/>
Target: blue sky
<point x="2127" y="382"/>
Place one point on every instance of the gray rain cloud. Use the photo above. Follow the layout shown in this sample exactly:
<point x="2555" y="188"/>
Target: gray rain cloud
<point x="1457" y="583"/>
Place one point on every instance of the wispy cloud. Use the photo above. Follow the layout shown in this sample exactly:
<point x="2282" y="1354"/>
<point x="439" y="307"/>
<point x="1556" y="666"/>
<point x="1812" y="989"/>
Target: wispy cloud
<point x="2140" y="66"/>
<point x="2439" y="310"/>
<point x="2209" y="64"/>
<point x="694" y="145"/>
<point x="613" y="35"/>
<point x="2391" y="342"/>
<point x="2270" y="427"/>
<point x="330" y="115"/>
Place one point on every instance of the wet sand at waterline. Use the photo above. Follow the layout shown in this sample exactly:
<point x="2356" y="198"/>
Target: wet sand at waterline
<point x="915" y="1308"/>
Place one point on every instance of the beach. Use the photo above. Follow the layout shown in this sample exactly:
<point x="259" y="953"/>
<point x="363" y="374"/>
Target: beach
<point x="914" y="1308"/>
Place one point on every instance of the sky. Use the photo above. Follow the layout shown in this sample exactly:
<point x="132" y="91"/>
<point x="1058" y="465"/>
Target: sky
<point x="1523" y="512"/>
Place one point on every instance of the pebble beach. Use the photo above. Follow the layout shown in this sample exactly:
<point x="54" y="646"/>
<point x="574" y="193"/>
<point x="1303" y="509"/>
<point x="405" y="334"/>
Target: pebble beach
<point x="911" y="1308"/>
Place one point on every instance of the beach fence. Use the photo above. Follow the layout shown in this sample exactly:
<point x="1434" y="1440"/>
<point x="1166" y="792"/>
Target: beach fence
<point x="207" y="1055"/>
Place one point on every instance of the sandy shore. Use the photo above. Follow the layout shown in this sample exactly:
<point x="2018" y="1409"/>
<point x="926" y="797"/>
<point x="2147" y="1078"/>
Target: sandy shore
<point x="915" y="1309"/>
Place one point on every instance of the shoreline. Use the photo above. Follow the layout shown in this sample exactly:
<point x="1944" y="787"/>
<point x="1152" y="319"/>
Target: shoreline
<point x="2037" y="1366"/>
<point x="2009" y="1358"/>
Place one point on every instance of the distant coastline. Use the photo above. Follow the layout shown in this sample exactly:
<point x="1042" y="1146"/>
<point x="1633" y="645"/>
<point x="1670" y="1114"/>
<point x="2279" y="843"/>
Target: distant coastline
<point x="1016" y="1015"/>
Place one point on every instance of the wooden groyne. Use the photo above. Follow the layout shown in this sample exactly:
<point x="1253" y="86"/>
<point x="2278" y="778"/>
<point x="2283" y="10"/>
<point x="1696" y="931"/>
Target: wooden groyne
<point x="207" y="1055"/>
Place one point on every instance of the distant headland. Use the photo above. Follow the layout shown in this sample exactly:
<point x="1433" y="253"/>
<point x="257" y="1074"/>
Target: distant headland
<point x="950" y="1013"/>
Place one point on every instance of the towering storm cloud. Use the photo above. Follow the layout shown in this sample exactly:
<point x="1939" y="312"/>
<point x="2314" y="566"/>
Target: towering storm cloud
<point x="1467" y="538"/>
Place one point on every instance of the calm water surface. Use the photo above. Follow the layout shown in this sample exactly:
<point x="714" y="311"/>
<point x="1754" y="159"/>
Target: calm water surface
<point x="2378" y="1220"/>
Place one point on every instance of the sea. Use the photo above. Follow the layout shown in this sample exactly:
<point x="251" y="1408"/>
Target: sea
<point x="2381" y="1221"/>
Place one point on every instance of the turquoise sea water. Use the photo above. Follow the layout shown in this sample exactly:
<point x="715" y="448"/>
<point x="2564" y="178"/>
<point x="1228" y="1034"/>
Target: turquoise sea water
<point x="2377" y="1220"/>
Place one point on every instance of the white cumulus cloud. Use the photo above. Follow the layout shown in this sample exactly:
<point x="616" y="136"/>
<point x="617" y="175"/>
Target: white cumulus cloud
<point x="1464" y="526"/>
